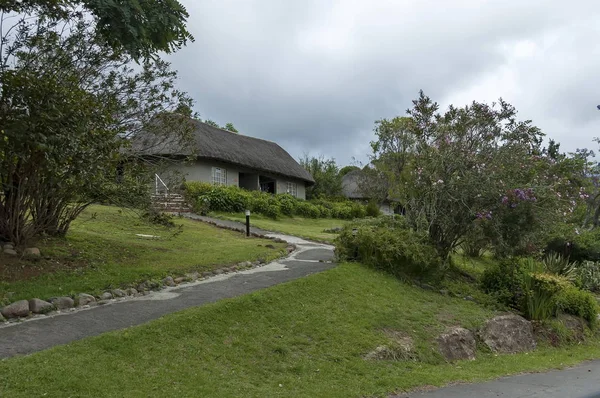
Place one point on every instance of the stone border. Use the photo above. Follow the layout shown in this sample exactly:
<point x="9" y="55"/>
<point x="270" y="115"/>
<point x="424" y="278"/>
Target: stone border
<point x="24" y="310"/>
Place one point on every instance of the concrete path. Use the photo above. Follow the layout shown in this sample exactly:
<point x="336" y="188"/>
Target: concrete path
<point x="579" y="382"/>
<point x="46" y="332"/>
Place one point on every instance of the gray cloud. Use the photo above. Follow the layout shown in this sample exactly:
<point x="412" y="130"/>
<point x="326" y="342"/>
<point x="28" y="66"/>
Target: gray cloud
<point x="315" y="75"/>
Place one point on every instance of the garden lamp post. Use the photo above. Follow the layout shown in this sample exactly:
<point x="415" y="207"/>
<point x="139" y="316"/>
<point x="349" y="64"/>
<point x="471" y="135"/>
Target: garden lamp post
<point x="247" y="222"/>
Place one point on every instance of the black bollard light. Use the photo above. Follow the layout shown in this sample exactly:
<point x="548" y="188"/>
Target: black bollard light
<point x="247" y="222"/>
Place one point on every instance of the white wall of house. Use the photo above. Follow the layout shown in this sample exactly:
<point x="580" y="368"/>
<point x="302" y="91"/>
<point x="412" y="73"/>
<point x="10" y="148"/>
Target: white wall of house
<point x="201" y="170"/>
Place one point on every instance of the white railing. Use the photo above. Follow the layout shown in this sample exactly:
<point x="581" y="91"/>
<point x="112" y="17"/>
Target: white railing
<point x="157" y="182"/>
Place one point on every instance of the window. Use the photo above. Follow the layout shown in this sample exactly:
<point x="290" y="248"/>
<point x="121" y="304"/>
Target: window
<point x="219" y="176"/>
<point x="292" y="189"/>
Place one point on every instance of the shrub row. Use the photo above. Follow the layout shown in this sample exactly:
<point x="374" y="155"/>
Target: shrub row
<point x="387" y="244"/>
<point x="206" y="197"/>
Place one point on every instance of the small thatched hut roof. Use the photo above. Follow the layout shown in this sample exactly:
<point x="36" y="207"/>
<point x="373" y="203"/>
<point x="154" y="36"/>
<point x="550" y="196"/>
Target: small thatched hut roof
<point x="213" y="143"/>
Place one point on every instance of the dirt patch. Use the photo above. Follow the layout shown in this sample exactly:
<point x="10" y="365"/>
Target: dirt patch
<point x="400" y="348"/>
<point x="14" y="269"/>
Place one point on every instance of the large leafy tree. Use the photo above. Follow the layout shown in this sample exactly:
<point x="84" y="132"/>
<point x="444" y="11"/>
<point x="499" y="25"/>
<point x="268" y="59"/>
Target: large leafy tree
<point x="142" y="28"/>
<point x="476" y="164"/>
<point x="69" y="103"/>
<point x="325" y="172"/>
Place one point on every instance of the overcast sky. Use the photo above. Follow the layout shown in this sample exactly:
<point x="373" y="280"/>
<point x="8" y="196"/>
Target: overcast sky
<point x="314" y="75"/>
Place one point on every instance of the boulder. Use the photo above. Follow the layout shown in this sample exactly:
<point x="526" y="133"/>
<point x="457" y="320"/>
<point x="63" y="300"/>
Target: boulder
<point x="193" y="276"/>
<point x="85" y="299"/>
<point x="16" y="309"/>
<point x="32" y="252"/>
<point x="508" y="334"/>
<point x="106" y="296"/>
<point x="10" y="252"/>
<point x="62" y="303"/>
<point x="218" y="271"/>
<point x="143" y="286"/>
<point x="179" y="280"/>
<point x="118" y="293"/>
<point x="2" y="318"/>
<point x="456" y="344"/>
<point x="132" y="291"/>
<point x="8" y="246"/>
<point x="38" y="306"/>
<point x="207" y="274"/>
<point x="575" y="325"/>
<point x="168" y="281"/>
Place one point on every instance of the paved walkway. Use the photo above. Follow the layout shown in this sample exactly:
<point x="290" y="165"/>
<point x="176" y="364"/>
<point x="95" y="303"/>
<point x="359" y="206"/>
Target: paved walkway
<point x="39" y="334"/>
<point x="579" y="382"/>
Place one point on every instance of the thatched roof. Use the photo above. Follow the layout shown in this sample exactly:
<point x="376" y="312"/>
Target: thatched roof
<point x="216" y="144"/>
<point x="350" y="185"/>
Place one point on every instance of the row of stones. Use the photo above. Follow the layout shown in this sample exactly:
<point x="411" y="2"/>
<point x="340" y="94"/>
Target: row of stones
<point x="36" y="306"/>
<point x="9" y="248"/>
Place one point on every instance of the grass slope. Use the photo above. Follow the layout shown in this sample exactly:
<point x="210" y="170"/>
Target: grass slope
<point x="102" y="251"/>
<point x="306" y="338"/>
<point x="308" y="228"/>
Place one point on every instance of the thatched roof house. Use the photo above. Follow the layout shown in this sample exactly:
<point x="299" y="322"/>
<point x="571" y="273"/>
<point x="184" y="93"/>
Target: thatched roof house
<point x="226" y="158"/>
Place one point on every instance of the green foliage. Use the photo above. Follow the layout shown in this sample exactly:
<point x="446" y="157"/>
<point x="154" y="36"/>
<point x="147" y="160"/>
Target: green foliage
<point x="540" y="294"/>
<point x="207" y="197"/>
<point x="388" y="246"/>
<point x="231" y="127"/>
<point x="471" y="165"/>
<point x="325" y="172"/>
<point x="588" y="275"/>
<point x="142" y="28"/>
<point x="557" y="264"/>
<point x="504" y="281"/>
<point x="372" y="209"/>
<point x="581" y="246"/>
<point x="347" y="169"/>
<point x="579" y="303"/>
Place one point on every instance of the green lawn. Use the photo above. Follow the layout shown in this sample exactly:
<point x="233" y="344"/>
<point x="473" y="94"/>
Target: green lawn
<point x="306" y="338"/>
<point x="308" y="228"/>
<point x="102" y="251"/>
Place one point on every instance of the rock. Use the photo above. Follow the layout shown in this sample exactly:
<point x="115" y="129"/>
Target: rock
<point x="168" y="281"/>
<point x="2" y="318"/>
<point x="143" y="286"/>
<point x="193" y="277"/>
<point x="118" y="293"/>
<point x="290" y="249"/>
<point x="10" y="252"/>
<point x="154" y="285"/>
<point x="62" y="303"/>
<point x="103" y="302"/>
<point x="8" y="246"/>
<point x="16" y="309"/>
<point x="179" y="280"/>
<point x="444" y="292"/>
<point x="575" y="325"/>
<point x="269" y="246"/>
<point x="261" y="260"/>
<point x="207" y="274"/>
<point x="470" y="298"/>
<point x="38" y="306"/>
<point x="85" y="299"/>
<point x="132" y="291"/>
<point x="218" y="271"/>
<point x="32" y="252"/>
<point x="456" y="344"/>
<point x="425" y="286"/>
<point x="106" y="296"/>
<point x="508" y="334"/>
<point x="233" y="268"/>
<point x="255" y="263"/>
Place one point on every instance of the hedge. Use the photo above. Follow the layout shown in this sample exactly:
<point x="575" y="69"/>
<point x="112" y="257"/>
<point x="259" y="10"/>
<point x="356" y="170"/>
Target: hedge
<point x="206" y="197"/>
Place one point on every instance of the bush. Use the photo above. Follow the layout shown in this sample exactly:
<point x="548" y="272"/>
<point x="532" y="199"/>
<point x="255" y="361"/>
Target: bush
<point x="540" y="294"/>
<point x="372" y="209"/>
<point x="206" y="197"/>
<point x="579" y="303"/>
<point x="399" y="251"/>
<point x="584" y="246"/>
<point x="504" y="282"/>
<point x="588" y="275"/>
